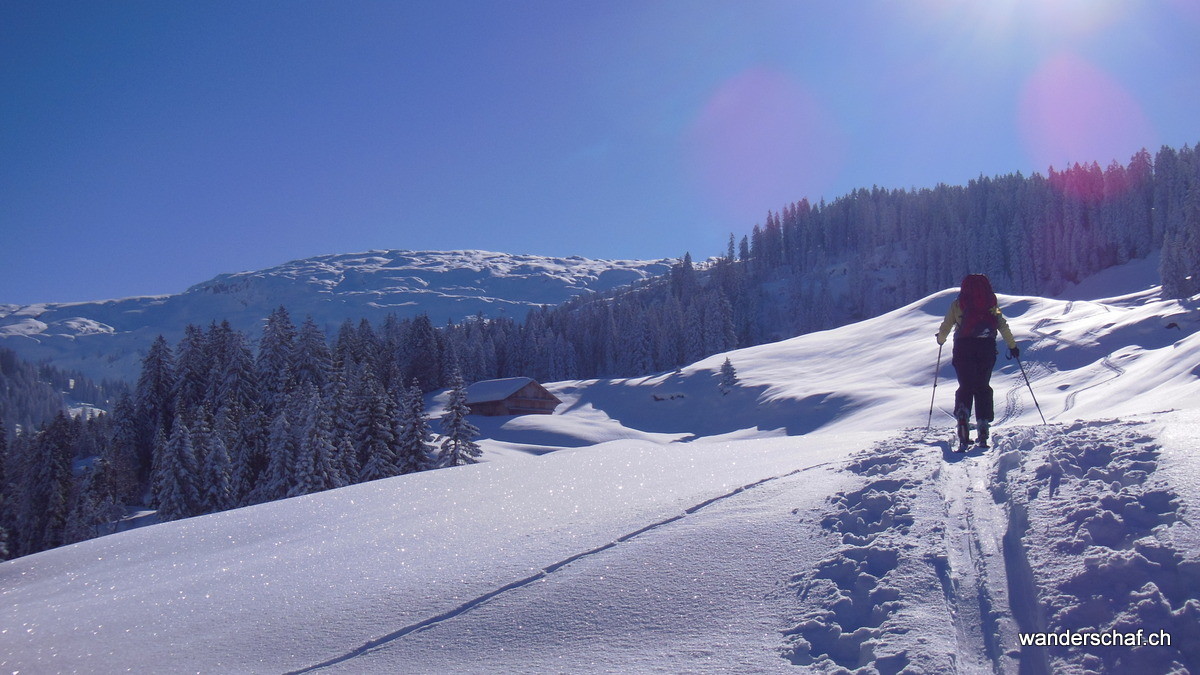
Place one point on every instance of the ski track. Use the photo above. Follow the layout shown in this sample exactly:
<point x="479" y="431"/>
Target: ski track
<point x="980" y="525"/>
<point x="963" y="570"/>
<point x="1107" y="363"/>
<point x="386" y="640"/>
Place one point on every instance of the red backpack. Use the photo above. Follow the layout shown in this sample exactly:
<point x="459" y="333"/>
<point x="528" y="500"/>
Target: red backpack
<point x="978" y="303"/>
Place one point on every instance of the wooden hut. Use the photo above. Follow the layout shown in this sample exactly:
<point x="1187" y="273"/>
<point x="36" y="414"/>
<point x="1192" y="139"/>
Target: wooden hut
<point x="510" y="396"/>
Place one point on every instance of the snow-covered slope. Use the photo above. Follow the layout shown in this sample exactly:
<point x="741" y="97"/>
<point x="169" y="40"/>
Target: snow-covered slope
<point x="810" y="523"/>
<point x="108" y="338"/>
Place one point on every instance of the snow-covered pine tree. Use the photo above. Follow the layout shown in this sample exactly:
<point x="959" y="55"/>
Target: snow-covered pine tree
<point x="244" y="439"/>
<point x="279" y="476"/>
<point x="312" y="361"/>
<point x="693" y="339"/>
<point x="729" y="377"/>
<point x="234" y="381"/>
<point x="375" y="435"/>
<point x="193" y="365"/>
<point x="154" y="401"/>
<point x="274" y="362"/>
<point x="121" y="451"/>
<point x="92" y="511"/>
<point x="719" y="335"/>
<point x="314" y="470"/>
<point x="340" y="406"/>
<point x="425" y="354"/>
<point x="53" y="480"/>
<point x="349" y="459"/>
<point x="4" y="492"/>
<point x="178" y="496"/>
<point x="345" y="347"/>
<point x="458" y="434"/>
<point x="414" y="445"/>
<point x="217" y="471"/>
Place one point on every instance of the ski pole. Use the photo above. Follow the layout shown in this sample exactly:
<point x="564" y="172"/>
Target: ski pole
<point x="934" y="394"/>
<point x="1035" y="402"/>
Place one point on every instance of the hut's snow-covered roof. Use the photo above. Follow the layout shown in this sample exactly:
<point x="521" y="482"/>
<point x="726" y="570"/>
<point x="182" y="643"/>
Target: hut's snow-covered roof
<point x="486" y="391"/>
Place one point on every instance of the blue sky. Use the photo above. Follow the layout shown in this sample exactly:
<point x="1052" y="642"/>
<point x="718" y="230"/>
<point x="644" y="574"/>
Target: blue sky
<point x="147" y="146"/>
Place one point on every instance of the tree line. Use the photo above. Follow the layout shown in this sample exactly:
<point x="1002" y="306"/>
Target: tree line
<point x="31" y="395"/>
<point x="213" y="425"/>
<point x="817" y="266"/>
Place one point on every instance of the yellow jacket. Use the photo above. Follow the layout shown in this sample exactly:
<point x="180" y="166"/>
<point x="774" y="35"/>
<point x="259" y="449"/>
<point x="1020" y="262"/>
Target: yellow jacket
<point x="954" y="318"/>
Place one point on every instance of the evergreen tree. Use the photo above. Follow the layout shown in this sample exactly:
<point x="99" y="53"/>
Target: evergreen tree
<point x="279" y="476"/>
<point x="44" y="523"/>
<point x="235" y="380"/>
<point x="376" y="436"/>
<point x="415" y="446"/>
<point x="217" y="472"/>
<point x="349" y="460"/>
<point x="342" y="416"/>
<point x="425" y="357"/>
<point x="5" y="490"/>
<point x="729" y="377"/>
<point x="121" y="452"/>
<point x="93" y="511"/>
<point x="274" y="364"/>
<point x="315" y="469"/>
<point x="154" y="401"/>
<point x="313" y="362"/>
<point x="458" y="434"/>
<point x="178" y="494"/>
<point x="193" y="363"/>
<point x="244" y="437"/>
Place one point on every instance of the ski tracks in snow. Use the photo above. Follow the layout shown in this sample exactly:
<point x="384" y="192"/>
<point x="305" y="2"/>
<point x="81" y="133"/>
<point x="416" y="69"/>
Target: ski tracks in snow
<point x="1035" y="368"/>
<point x="921" y="575"/>
<point x="391" y="638"/>
<point x="936" y="561"/>
<point x="941" y="560"/>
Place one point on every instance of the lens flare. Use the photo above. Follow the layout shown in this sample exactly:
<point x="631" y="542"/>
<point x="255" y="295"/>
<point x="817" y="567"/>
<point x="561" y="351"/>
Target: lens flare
<point x="1071" y="111"/>
<point x="762" y="141"/>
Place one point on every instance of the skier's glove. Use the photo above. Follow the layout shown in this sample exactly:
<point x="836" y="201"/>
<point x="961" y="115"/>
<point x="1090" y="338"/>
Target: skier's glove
<point x="1013" y="352"/>
<point x="940" y="340"/>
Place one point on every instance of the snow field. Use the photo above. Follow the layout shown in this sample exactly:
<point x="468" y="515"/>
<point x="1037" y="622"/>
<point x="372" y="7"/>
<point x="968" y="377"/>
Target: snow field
<point x="296" y="583"/>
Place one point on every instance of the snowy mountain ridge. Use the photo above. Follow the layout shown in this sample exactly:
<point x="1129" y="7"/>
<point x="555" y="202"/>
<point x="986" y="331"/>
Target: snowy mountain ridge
<point x="805" y="522"/>
<point x="108" y="338"/>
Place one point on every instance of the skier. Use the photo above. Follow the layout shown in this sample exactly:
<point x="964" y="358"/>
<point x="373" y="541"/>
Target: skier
<point x="977" y="317"/>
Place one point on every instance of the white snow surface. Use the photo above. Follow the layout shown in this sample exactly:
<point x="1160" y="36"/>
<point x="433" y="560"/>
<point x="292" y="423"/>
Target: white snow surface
<point x="108" y="338"/>
<point x="806" y="522"/>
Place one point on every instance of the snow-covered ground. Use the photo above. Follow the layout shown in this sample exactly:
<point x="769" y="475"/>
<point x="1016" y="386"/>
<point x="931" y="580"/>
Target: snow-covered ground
<point x="805" y="521"/>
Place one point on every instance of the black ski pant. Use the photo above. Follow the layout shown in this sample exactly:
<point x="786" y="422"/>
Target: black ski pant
<point x="974" y="359"/>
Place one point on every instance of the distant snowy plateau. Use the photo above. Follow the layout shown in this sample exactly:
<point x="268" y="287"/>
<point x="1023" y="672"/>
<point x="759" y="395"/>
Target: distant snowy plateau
<point x="805" y="521"/>
<point x="109" y="338"/>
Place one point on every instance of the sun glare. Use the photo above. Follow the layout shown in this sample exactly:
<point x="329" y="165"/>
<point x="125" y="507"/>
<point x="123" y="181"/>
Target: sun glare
<point x="1006" y="23"/>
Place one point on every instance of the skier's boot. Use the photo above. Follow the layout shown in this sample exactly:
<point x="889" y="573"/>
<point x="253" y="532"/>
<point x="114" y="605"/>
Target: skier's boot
<point x="984" y="432"/>
<point x="964" y="434"/>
